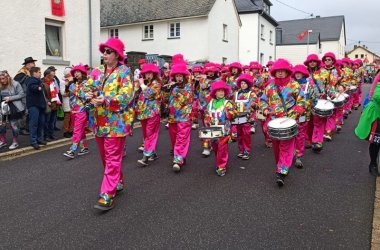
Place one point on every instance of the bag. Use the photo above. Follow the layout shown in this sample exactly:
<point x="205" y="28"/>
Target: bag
<point x="60" y="113"/>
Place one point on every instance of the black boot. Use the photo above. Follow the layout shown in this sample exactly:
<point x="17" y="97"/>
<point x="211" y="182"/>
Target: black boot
<point x="144" y="161"/>
<point x="374" y="170"/>
<point x="280" y="179"/>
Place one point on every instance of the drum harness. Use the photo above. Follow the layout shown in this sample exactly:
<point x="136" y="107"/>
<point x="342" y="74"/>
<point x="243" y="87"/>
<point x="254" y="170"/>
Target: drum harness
<point x="216" y="114"/>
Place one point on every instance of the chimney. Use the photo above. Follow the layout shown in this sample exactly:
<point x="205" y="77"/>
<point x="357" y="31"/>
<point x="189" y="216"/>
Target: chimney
<point x="317" y="16"/>
<point x="355" y="46"/>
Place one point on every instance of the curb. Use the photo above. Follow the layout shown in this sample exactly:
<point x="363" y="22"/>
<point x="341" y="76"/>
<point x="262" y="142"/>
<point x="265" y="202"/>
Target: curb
<point x="375" y="239"/>
<point x="29" y="150"/>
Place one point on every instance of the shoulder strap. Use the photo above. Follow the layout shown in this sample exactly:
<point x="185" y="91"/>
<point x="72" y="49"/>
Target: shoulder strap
<point x="282" y="99"/>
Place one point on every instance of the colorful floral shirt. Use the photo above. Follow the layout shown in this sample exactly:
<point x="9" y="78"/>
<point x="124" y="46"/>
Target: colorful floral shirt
<point x="149" y="101"/>
<point x="333" y="76"/>
<point x="76" y="101"/>
<point x="231" y="82"/>
<point x="204" y="92"/>
<point x="110" y="119"/>
<point x="307" y="86"/>
<point x="196" y="86"/>
<point x="292" y="95"/>
<point x="347" y="77"/>
<point x="181" y="103"/>
<point x="245" y="101"/>
<point x="220" y="116"/>
<point x="322" y="87"/>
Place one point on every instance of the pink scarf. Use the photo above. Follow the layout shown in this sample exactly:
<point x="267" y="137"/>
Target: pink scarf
<point x="282" y="81"/>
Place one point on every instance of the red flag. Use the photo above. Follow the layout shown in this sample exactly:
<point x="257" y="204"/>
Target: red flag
<point x="57" y="7"/>
<point x="302" y="35"/>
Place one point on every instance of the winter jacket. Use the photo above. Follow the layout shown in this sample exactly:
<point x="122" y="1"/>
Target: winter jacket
<point x="16" y="94"/>
<point x="34" y="95"/>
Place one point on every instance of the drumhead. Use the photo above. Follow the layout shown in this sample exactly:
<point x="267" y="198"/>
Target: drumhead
<point x="324" y="105"/>
<point x="283" y="122"/>
<point x="339" y="98"/>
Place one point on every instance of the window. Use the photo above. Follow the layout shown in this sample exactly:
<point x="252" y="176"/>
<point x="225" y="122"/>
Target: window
<point x="262" y="32"/>
<point x="53" y="40"/>
<point x="261" y="58"/>
<point x="174" y="30"/>
<point x="356" y="56"/>
<point x="224" y="60"/>
<point x="270" y="58"/>
<point x="114" y="33"/>
<point x="225" y="32"/>
<point x="362" y="56"/>
<point x="271" y="37"/>
<point x="148" y="32"/>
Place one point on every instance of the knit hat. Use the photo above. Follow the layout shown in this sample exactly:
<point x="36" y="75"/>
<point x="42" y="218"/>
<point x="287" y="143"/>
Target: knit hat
<point x="235" y="65"/>
<point x="281" y="64"/>
<point x="115" y="44"/>
<point x="312" y="57"/>
<point x="79" y="67"/>
<point x="245" y="77"/>
<point x="150" y="67"/>
<point x="220" y="85"/>
<point x="179" y="68"/>
<point x="329" y="54"/>
<point x="300" y="69"/>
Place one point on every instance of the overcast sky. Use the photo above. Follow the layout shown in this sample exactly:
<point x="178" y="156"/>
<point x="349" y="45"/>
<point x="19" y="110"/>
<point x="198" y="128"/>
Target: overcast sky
<point x="362" y="17"/>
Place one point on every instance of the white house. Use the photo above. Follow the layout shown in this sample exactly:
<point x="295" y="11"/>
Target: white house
<point x="362" y="52"/>
<point x="31" y="29"/>
<point x="257" y="41"/>
<point x="201" y="30"/>
<point x="321" y="35"/>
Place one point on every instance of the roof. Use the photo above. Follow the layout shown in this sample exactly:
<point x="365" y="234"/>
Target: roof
<point x="361" y="47"/>
<point x="292" y="39"/>
<point x="329" y="29"/>
<point x="119" y="12"/>
<point x="254" y="6"/>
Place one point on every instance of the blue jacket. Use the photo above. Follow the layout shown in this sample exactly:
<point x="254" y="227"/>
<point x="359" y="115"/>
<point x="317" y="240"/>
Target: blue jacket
<point x="34" y="96"/>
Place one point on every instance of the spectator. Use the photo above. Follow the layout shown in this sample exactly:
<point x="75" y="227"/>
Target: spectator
<point x="12" y="94"/>
<point x="22" y="75"/>
<point x="51" y="94"/>
<point x="64" y="90"/>
<point x="57" y="85"/>
<point x="36" y="104"/>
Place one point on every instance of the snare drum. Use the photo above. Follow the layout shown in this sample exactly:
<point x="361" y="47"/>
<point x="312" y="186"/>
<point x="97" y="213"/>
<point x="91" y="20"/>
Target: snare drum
<point x="282" y="128"/>
<point x="339" y="101"/>
<point x="351" y="89"/>
<point x="211" y="132"/>
<point x="324" y="108"/>
<point x="241" y="119"/>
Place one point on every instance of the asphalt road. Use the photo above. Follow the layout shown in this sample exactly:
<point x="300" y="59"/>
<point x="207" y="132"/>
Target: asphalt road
<point x="47" y="200"/>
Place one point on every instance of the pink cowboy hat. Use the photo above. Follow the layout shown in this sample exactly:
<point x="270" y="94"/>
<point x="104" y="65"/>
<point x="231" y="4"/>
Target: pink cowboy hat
<point x="301" y="69"/>
<point x="235" y="65"/>
<point x="115" y="44"/>
<point x="179" y="68"/>
<point x="281" y="64"/>
<point x="197" y="68"/>
<point x="312" y="57"/>
<point x="245" y="77"/>
<point x="178" y="58"/>
<point x="210" y="67"/>
<point x="79" y="67"/>
<point x="150" y="67"/>
<point x="220" y="85"/>
<point x="255" y="65"/>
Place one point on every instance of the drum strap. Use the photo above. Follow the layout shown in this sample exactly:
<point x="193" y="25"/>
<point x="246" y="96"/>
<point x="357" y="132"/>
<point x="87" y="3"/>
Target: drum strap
<point x="282" y="99"/>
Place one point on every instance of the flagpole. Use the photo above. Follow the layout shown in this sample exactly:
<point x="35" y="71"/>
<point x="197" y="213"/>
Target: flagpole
<point x="308" y="39"/>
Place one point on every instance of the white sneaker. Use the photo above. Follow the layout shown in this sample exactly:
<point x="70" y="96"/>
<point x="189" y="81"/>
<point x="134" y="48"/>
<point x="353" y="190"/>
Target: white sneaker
<point x="167" y="125"/>
<point x="206" y="152"/>
<point x="2" y="144"/>
<point x="194" y="126"/>
<point x="253" y="130"/>
<point x="141" y="148"/>
<point x="176" y="167"/>
<point x="13" y="146"/>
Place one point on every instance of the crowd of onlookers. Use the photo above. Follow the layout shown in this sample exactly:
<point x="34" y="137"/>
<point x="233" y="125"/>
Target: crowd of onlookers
<point x="31" y="102"/>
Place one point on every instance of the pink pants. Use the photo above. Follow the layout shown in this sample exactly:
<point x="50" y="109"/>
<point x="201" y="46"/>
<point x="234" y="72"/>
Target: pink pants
<point x="180" y="139"/>
<point x="234" y="131"/>
<point x="111" y="153"/>
<point x="301" y="138"/>
<point x="284" y="154"/>
<point x="264" y="127"/>
<point x="309" y="130"/>
<point x="194" y="112"/>
<point x="319" y="129"/>
<point x="151" y="129"/>
<point x="339" y="116"/>
<point x="244" y="137"/>
<point x="80" y="120"/>
<point x="348" y="106"/>
<point x="331" y="123"/>
<point x="220" y="147"/>
<point x="357" y="97"/>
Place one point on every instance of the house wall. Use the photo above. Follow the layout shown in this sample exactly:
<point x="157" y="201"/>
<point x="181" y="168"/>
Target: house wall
<point x="26" y="36"/>
<point x="248" y="42"/>
<point x="192" y="42"/>
<point x="360" y="51"/>
<point x="337" y="47"/>
<point x="296" y="54"/>
<point x="223" y="12"/>
<point x="266" y="46"/>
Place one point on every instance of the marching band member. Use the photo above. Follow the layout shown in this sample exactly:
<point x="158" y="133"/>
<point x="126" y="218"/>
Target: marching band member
<point x="148" y="110"/>
<point x="347" y="81"/>
<point x="245" y="102"/>
<point x="109" y="90"/>
<point x="322" y="90"/>
<point x="211" y="73"/>
<point x="283" y="97"/>
<point x="333" y="78"/>
<point x="196" y="79"/>
<point x="235" y="70"/>
<point x="301" y="75"/>
<point x="255" y="71"/>
<point x="220" y="112"/>
<point x="180" y="109"/>
<point x="359" y="72"/>
<point x="79" y="114"/>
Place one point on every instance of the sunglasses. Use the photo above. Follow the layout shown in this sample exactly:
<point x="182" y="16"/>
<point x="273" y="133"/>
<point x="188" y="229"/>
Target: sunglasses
<point x="108" y="51"/>
<point x="313" y="61"/>
<point x="328" y="59"/>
